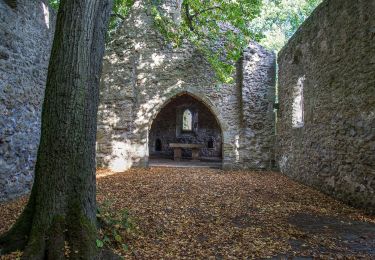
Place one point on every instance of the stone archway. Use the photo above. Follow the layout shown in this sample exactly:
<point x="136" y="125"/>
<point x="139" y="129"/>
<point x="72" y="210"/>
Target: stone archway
<point x="166" y="126"/>
<point x="195" y="93"/>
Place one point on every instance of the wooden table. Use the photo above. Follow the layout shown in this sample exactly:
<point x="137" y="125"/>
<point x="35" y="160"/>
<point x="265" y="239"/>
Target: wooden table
<point x="177" y="150"/>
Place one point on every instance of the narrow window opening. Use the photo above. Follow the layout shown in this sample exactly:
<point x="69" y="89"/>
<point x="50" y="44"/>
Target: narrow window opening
<point x="187" y="120"/>
<point x="298" y="104"/>
<point x="158" y="145"/>
<point x="210" y="143"/>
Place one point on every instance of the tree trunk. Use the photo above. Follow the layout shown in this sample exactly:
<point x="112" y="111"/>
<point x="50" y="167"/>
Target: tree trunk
<point x="60" y="217"/>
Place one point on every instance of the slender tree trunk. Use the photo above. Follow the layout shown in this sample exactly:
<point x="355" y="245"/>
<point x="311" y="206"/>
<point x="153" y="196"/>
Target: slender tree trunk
<point x="60" y="217"/>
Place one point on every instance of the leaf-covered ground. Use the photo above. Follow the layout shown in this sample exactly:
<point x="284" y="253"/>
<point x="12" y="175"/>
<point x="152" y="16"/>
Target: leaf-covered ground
<point x="211" y="214"/>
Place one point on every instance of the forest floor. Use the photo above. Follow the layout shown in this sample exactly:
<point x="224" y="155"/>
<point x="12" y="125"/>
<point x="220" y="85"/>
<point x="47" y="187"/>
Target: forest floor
<point x="192" y="213"/>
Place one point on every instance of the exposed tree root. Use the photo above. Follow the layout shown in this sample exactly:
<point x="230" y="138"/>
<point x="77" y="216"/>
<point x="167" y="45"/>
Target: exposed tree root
<point x="17" y="237"/>
<point x="73" y="239"/>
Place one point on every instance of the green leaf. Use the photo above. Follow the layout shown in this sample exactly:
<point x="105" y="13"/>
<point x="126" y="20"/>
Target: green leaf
<point x="125" y="247"/>
<point x="99" y="243"/>
<point x="118" y="238"/>
<point x="106" y="239"/>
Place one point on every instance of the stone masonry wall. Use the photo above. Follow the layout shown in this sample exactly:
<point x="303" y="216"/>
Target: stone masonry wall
<point x="258" y="72"/>
<point x="25" y="39"/>
<point x="141" y="73"/>
<point x="330" y="63"/>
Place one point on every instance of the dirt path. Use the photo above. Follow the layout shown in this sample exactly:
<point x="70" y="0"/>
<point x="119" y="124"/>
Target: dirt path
<point x="211" y="214"/>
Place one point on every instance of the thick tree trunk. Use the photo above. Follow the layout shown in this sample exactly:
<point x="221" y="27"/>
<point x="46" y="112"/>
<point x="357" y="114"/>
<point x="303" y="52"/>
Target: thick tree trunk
<point x="61" y="212"/>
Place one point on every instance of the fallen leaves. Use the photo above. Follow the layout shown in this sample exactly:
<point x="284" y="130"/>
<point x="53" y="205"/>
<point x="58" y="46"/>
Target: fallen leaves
<point x="182" y="213"/>
<point x="12" y="256"/>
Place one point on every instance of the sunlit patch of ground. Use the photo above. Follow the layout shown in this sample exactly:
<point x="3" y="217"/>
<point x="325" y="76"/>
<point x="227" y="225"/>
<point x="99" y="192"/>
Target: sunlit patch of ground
<point x="205" y="213"/>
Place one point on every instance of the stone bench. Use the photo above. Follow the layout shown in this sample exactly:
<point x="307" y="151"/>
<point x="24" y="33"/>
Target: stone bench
<point x="177" y="150"/>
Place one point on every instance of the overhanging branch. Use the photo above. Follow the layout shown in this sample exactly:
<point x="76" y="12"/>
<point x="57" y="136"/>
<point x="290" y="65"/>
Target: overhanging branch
<point x="118" y="16"/>
<point x="189" y="17"/>
<point x="206" y="10"/>
<point x="11" y="3"/>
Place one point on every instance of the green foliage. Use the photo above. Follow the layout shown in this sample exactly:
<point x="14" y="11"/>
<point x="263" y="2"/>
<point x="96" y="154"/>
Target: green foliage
<point x="206" y="24"/>
<point x="166" y="27"/>
<point x="99" y="243"/>
<point x="279" y="20"/>
<point x="54" y="4"/>
<point x="233" y="23"/>
<point x="120" y="11"/>
<point x="115" y="227"/>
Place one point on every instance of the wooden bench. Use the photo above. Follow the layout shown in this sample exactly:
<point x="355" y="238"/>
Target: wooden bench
<point x="177" y="150"/>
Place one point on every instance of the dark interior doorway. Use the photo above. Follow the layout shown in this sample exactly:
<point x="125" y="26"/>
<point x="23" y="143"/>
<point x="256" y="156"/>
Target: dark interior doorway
<point x="158" y="145"/>
<point x="185" y="119"/>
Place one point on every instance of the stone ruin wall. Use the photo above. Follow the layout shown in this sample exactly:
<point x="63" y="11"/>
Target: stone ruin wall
<point x="26" y="33"/>
<point x="333" y="57"/>
<point x="257" y="79"/>
<point x="142" y="72"/>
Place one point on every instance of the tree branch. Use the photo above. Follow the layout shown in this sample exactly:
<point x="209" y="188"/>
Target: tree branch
<point x="189" y="17"/>
<point x="206" y="10"/>
<point x="11" y="3"/>
<point x="118" y="16"/>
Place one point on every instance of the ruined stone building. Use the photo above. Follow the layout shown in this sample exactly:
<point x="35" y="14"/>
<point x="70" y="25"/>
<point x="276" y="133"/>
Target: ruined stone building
<point x="147" y="85"/>
<point x="153" y="94"/>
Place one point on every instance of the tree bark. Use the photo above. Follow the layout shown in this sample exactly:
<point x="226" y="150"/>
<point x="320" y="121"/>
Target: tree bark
<point x="60" y="217"/>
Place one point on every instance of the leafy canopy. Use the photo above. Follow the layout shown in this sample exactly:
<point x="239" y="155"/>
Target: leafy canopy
<point x="218" y="28"/>
<point x="278" y="20"/>
<point x="221" y="29"/>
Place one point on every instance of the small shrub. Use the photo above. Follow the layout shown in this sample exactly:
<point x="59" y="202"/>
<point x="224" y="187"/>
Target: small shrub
<point x="115" y="227"/>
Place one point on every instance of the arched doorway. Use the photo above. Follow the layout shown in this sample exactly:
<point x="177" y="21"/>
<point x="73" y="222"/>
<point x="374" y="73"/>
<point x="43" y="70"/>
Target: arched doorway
<point x="186" y="120"/>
